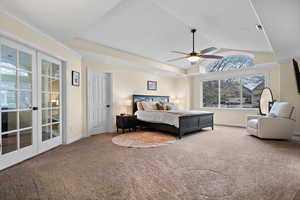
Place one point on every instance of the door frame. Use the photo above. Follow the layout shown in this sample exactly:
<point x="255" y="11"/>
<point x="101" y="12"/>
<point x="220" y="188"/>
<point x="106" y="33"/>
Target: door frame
<point x="110" y="126"/>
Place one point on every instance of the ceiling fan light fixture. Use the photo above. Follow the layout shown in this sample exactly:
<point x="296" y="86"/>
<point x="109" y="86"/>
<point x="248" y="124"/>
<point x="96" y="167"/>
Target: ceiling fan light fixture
<point x="193" y="59"/>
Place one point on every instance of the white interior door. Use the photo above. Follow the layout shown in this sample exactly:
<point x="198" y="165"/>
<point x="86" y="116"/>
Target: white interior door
<point x="50" y="120"/>
<point x="18" y="96"/>
<point x="99" y="102"/>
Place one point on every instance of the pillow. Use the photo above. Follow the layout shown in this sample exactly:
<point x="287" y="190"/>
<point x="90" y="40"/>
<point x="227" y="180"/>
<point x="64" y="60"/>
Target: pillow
<point x="139" y="106"/>
<point x="160" y="106"/>
<point x="149" y="106"/>
<point x="164" y="105"/>
<point x="282" y="109"/>
<point x="154" y="106"/>
<point x="171" y="106"/>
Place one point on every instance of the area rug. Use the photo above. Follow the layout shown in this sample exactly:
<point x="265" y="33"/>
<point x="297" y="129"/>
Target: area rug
<point x="143" y="139"/>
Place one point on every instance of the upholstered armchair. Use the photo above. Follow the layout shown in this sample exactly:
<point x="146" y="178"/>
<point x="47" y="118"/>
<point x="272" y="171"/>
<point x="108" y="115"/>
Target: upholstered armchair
<point x="278" y="124"/>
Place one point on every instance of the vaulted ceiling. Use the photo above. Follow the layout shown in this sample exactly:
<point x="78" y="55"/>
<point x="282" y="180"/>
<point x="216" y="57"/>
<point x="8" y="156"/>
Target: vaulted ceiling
<point x="148" y="28"/>
<point x="281" y="21"/>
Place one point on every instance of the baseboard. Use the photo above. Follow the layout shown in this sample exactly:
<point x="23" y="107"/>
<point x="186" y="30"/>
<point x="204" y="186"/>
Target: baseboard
<point x="232" y="125"/>
<point x="296" y="136"/>
<point x="73" y="139"/>
<point x="296" y="133"/>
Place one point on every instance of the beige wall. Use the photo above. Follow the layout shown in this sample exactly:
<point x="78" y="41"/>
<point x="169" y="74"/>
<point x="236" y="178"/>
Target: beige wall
<point x="288" y="89"/>
<point x="280" y="79"/>
<point x="236" y="117"/>
<point x="128" y="81"/>
<point x="23" y="32"/>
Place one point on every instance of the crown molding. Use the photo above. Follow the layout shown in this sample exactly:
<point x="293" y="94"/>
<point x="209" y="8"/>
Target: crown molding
<point x="288" y="59"/>
<point x="89" y="46"/>
<point x="102" y="59"/>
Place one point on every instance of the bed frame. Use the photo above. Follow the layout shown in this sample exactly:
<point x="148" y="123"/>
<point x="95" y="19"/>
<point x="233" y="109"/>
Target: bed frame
<point x="187" y="124"/>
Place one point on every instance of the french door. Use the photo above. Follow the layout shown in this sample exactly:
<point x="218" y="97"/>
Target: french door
<point x="30" y="109"/>
<point x="17" y="92"/>
<point x="49" y="70"/>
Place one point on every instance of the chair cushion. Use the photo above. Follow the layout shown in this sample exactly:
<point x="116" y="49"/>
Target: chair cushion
<point x="253" y="123"/>
<point x="282" y="109"/>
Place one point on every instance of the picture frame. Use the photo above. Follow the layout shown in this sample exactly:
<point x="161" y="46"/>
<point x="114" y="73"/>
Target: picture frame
<point x="151" y="85"/>
<point x="75" y="78"/>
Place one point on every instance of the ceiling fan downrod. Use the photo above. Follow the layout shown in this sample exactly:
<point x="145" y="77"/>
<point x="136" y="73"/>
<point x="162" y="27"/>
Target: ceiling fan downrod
<point x="193" y="32"/>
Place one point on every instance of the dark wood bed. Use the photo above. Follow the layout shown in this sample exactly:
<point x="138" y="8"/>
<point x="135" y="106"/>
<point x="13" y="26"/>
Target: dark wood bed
<point x="187" y="124"/>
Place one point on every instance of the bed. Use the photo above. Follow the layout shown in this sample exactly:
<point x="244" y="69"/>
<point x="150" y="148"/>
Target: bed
<point x="176" y="122"/>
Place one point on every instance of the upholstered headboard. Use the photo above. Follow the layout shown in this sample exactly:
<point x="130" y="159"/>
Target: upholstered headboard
<point x="138" y="98"/>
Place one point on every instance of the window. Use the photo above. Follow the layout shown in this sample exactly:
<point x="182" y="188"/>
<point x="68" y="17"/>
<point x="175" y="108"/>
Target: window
<point x="230" y="91"/>
<point x="252" y="87"/>
<point x="233" y="62"/>
<point x="235" y="92"/>
<point x="211" y="91"/>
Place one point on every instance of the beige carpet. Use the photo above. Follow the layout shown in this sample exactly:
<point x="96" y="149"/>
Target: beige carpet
<point x="224" y="165"/>
<point x="143" y="139"/>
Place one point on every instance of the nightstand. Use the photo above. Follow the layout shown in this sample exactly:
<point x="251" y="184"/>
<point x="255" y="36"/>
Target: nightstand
<point x="126" y="122"/>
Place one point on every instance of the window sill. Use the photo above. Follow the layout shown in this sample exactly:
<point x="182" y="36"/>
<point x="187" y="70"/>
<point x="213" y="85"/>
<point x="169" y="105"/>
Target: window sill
<point x="233" y="109"/>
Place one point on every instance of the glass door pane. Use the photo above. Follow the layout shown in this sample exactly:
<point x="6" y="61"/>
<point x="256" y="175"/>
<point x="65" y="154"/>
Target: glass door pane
<point x="50" y="89"/>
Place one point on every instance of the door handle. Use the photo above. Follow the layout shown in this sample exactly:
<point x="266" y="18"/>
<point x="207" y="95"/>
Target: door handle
<point x="35" y="108"/>
<point x="107" y="106"/>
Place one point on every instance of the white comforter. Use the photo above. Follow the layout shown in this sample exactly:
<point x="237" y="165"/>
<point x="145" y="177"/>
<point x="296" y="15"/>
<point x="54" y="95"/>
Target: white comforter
<point x="170" y="117"/>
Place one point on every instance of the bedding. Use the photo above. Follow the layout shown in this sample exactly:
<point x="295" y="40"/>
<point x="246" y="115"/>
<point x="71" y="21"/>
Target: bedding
<point x="170" y="117"/>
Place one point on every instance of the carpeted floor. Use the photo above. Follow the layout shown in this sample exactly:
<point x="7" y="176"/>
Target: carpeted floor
<point x="224" y="165"/>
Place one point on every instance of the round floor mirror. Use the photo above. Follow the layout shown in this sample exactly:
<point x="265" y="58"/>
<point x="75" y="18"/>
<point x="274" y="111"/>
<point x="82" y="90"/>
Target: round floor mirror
<point x="266" y="98"/>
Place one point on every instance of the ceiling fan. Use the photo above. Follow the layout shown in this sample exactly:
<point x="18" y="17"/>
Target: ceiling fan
<point x="194" y="57"/>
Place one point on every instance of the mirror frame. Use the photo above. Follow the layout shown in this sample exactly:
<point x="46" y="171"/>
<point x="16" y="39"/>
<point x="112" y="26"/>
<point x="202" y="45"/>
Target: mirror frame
<point x="270" y="103"/>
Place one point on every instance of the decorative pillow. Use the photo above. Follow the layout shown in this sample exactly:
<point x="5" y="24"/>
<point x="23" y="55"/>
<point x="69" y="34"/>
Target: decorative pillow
<point x="282" y="109"/>
<point x="171" y="106"/>
<point x="149" y="106"/>
<point x="139" y="106"/>
<point x="160" y="106"/>
<point x="154" y="106"/>
<point x="165" y="105"/>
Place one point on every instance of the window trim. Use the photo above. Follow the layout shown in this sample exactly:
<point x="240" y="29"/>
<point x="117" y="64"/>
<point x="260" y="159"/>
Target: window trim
<point x="240" y="76"/>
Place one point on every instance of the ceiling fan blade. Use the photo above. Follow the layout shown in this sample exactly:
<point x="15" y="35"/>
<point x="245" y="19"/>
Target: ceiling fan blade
<point x="207" y="50"/>
<point x="211" y="56"/>
<point x="177" y="59"/>
<point x="179" y="52"/>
